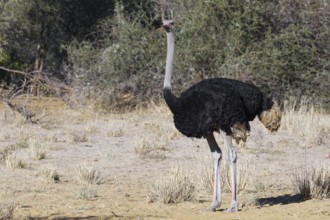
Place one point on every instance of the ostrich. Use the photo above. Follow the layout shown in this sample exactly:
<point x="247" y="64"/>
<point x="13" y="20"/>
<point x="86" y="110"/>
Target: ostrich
<point x="217" y="105"/>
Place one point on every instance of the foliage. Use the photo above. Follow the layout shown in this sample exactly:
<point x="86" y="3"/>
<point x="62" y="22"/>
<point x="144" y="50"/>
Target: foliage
<point x="50" y="24"/>
<point x="282" y="46"/>
<point x="291" y="59"/>
<point x="114" y="56"/>
<point x="4" y="57"/>
<point x="125" y="61"/>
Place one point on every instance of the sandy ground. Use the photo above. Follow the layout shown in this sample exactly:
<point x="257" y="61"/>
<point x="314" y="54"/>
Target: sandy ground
<point x="110" y="144"/>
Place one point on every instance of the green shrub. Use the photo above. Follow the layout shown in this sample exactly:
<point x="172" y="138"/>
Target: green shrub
<point x="282" y="46"/>
<point x="124" y="62"/>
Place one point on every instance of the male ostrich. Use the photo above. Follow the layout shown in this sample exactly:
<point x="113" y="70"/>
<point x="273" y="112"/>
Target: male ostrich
<point x="218" y="104"/>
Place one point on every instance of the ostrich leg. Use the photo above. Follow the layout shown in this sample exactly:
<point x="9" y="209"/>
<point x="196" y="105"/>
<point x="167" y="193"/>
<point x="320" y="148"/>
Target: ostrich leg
<point x="216" y="154"/>
<point x="232" y="159"/>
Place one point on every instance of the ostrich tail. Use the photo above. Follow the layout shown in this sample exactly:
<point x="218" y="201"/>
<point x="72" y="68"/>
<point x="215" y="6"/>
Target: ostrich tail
<point x="271" y="118"/>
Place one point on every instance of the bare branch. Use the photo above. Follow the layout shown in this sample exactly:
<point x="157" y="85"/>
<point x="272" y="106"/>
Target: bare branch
<point x="42" y="80"/>
<point x="27" y="75"/>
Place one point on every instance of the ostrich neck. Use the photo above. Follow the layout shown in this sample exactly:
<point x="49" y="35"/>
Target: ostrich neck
<point x="169" y="60"/>
<point x="170" y="98"/>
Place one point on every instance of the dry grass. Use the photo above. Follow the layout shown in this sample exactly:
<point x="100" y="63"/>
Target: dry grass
<point x="6" y="151"/>
<point x="23" y="139"/>
<point x="305" y="121"/>
<point x="75" y="138"/>
<point x="51" y="139"/>
<point x="153" y="127"/>
<point x="38" y="149"/>
<point x="88" y="173"/>
<point x="19" y="120"/>
<point x="149" y="147"/>
<point x="91" y="127"/>
<point x="162" y="131"/>
<point x="116" y="132"/>
<point x="177" y="186"/>
<point x="48" y="174"/>
<point x="313" y="182"/>
<point x="86" y="192"/>
<point x="170" y="189"/>
<point x="313" y="125"/>
<point x="4" y="137"/>
<point x="204" y="175"/>
<point x="7" y="211"/>
<point x="13" y="161"/>
<point x="204" y="172"/>
<point x="245" y="173"/>
<point x="115" y="129"/>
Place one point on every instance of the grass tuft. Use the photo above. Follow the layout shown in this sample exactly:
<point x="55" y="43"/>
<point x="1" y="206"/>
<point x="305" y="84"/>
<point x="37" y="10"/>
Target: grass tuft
<point x="245" y="172"/>
<point x="175" y="187"/>
<point x="91" y="128"/>
<point x="313" y="182"/>
<point x="86" y="192"/>
<point x="306" y="121"/>
<point x="23" y="139"/>
<point x="149" y="148"/>
<point x="38" y="150"/>
<point x="48" y="174"/>
<point x="6" y="151"/>
<point x="116" y="132"/>
<point x="88" y="173"/>
<point x="13" y="162"/>
<point x="7" y="211"/>
<point x="77" y="138"/>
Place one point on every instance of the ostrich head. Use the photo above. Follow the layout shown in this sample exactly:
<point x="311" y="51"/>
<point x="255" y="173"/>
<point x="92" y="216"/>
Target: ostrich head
<point x="271" y="115"/>
<point x="168" y="25"/>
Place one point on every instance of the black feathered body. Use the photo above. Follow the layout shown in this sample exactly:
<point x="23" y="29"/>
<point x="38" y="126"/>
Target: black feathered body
<point x="214" y="104"/>
<point x="251" y="96"/>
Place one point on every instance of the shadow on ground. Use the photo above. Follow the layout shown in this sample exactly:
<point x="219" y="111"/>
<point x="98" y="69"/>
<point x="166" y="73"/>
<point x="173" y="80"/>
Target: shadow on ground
<point x="61" y="217"/>
<point x="280" y="200"/>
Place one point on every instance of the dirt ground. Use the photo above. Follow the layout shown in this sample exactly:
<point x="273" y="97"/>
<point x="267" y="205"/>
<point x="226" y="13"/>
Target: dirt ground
<point x="111" y="143"/>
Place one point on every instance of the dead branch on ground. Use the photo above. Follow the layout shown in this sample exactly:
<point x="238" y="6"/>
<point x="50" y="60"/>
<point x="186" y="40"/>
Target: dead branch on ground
<point x="43" y="80"/>
<point x="29" y="79"/>
<point x="21" y="109"/>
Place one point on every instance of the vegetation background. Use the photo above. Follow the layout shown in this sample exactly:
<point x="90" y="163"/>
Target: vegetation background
<point x="112" y="53"/>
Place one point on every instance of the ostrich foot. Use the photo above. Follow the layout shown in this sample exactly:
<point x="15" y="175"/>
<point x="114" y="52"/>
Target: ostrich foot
<point x="233" y="207"/>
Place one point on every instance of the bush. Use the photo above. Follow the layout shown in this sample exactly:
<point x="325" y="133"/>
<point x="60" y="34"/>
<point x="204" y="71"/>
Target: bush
<point x="282" y="46"/>
<point x="124" y="66"/>
<point x="313" y="182"/>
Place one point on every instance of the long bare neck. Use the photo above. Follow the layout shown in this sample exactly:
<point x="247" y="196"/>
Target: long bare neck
<point x="170" y="98"/>
<point x="169" y="60"/>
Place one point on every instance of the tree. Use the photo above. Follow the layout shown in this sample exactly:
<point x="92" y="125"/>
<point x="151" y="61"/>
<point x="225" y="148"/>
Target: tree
<point x="49" y="24"/>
